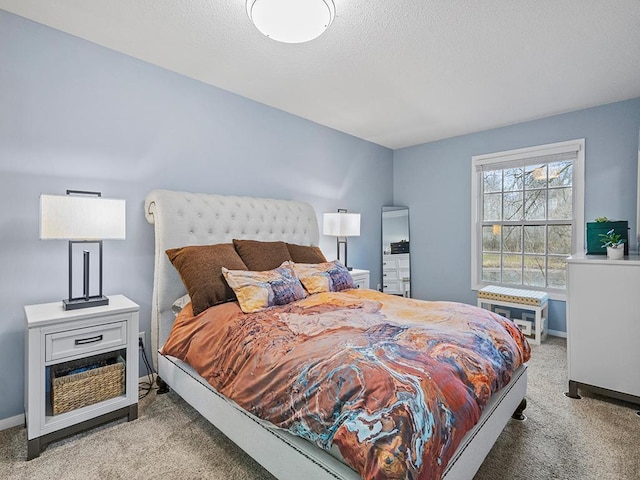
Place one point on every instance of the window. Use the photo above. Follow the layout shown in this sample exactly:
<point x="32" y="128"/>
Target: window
<point x="528" y="216"/>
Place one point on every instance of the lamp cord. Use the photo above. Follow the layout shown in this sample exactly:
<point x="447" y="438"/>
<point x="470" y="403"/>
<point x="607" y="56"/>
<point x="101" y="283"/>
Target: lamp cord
<point x="144" y="388"/>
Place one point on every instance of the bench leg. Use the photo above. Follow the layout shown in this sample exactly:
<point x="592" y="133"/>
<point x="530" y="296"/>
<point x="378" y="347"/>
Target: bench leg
<point x="537" y="336"/>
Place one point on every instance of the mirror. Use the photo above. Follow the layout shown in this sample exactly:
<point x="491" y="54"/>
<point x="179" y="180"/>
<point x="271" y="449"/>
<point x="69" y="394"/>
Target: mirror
<point x="396" y="271"/>
<point x="638" y="199"/>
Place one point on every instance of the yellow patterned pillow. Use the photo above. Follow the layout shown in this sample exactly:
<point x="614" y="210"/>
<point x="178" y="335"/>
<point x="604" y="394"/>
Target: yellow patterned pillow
<point x="257" y="291"/>
<point x="324" y="277"/>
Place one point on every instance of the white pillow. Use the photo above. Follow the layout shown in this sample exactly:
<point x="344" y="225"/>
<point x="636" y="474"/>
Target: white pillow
<point x="180" y="303"/>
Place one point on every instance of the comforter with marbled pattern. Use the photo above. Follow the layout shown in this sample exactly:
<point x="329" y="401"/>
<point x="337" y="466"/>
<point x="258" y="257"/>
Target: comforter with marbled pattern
<point x="394" y="383"/>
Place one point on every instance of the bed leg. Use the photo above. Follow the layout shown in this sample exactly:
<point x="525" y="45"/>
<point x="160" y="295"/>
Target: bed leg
<point x="162" y="386"/>
<point x="518" y="414"/>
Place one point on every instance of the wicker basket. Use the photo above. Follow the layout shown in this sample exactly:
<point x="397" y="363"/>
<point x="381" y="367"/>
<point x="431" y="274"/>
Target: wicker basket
<point x="76" y="390"/>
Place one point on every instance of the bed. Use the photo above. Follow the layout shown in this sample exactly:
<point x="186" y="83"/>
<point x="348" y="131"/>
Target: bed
<point x="180" y="219"/>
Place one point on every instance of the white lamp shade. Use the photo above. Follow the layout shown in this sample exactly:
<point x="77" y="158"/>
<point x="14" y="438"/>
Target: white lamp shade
<point x="341" y="224"/>
<point x="291" y="21"/>
<point x="70" y="217"/>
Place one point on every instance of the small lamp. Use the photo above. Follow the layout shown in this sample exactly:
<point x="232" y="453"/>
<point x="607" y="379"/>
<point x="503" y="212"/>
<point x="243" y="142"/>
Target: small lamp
<point x="341" y="225"/>
<point x="82" y="217"/>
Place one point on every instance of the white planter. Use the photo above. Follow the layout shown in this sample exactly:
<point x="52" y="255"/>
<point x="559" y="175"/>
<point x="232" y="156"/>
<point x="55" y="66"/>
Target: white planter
<point x="615" y="253"/>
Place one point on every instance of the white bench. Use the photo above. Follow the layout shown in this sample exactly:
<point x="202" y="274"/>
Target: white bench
<point x="522" y="300"/>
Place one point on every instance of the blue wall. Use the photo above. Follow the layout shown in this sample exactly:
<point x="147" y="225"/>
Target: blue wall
<point x="434" y="180"/>
<point x="74" y="115"/>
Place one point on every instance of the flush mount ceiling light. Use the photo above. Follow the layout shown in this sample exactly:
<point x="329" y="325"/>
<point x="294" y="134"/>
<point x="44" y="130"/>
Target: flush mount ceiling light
<point x="291" y="21"/>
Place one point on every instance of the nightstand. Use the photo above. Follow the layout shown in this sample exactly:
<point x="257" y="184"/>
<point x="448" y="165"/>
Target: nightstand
<point x="360" y="278"/>
<point x="81" y="369"/>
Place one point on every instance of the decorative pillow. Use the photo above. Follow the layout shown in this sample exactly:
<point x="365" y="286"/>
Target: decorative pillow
<point x="257" y="291"/>
<point x="305" y="254"/>
<point x="180" y="303"/>
<point x="324" y="277"/>
<point x="200" y="266"/>
<point x="262" y="256"/>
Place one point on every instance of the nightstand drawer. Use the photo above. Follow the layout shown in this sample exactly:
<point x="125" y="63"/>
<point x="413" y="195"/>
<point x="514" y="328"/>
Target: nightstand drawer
<point x="361" y="282"/>
<point x="85" y="340"/>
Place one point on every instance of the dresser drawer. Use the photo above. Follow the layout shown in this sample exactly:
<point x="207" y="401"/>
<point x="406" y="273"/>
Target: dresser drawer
<point x="393" y="287"/>
<point x="390" y="274"/>
<point x="86" y="340"/>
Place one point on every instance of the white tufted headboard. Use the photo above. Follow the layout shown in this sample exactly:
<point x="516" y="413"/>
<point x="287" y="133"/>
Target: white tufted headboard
<point x="182" y="218"/>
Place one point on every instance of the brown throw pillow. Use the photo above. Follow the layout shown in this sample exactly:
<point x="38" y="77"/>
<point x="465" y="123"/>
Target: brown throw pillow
<point x="261" y="256"/>
<point x="305" y="254"/>
<point x="200" y="267"/>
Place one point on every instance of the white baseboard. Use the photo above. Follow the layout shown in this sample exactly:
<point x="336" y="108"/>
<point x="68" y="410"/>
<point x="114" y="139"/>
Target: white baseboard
<point x="557" y="333"/>
<point x="11" y="422"/>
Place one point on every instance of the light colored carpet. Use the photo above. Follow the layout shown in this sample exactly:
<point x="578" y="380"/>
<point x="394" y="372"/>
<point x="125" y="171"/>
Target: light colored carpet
<point x="592" y="438"/>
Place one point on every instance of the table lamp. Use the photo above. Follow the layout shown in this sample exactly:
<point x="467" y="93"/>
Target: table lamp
<point x="341" y="225"/>
<point x="81" y="218"/>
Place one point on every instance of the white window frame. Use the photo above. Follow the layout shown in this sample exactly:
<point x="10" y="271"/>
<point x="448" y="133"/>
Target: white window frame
<point x="577" y="233"/>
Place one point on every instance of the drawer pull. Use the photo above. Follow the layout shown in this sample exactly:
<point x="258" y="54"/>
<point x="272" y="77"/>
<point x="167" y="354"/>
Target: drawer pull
<point x="84" y="341"/>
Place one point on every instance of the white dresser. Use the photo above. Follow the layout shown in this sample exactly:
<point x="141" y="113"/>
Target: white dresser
<point x="603" y="325"/>
<point x="395" y="274"/>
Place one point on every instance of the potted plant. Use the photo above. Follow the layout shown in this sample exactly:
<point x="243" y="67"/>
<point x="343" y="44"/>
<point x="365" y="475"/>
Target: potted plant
<point x="614" y="244"/>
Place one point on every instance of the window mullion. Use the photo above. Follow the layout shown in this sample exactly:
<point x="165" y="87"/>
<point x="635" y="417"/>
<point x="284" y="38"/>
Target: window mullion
<point x="527" y="223"/>
<point x="546" y="233"/>
<point x="501" y="256"/>
<point x="546" y="256"/>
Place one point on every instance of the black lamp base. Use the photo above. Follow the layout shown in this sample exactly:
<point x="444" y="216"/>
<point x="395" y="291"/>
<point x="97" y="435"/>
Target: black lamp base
<point x="82" y="302"/>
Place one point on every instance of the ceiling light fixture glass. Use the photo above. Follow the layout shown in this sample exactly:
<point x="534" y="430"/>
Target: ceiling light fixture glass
<point x="291" y="21"/>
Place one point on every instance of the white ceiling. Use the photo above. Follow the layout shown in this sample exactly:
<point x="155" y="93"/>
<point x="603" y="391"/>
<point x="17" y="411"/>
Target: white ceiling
<point x="395" y="72"/>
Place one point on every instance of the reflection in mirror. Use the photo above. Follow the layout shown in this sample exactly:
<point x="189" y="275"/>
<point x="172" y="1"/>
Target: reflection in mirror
<point x="396" y="273"/>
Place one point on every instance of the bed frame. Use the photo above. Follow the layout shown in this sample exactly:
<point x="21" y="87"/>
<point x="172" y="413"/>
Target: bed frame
<point x="182" y="218"/>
